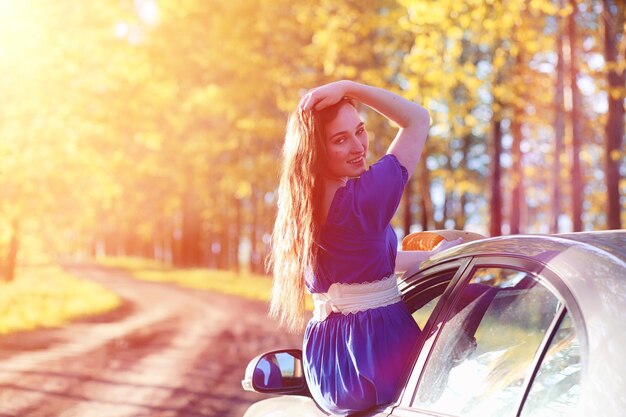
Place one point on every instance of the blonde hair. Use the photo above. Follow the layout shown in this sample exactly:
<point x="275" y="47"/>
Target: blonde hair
<point x="293" y="244"/>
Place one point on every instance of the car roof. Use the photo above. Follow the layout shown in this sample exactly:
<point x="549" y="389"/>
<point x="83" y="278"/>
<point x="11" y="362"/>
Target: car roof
<point x="612" y="242"/>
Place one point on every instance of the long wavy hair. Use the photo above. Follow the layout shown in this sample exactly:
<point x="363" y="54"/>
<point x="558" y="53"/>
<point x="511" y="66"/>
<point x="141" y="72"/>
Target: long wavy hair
<point x="300" y="192"/>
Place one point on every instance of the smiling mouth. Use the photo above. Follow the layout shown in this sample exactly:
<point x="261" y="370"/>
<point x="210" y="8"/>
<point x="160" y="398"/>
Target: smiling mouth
<point x="356" y="160"/>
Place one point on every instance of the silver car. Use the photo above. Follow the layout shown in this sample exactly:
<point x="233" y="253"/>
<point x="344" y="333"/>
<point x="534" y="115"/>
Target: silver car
<point x="512" y="326"/>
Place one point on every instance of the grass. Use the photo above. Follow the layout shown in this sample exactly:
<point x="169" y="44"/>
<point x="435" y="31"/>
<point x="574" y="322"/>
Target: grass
<point x="244" y="284"/>
<point x="46" y="296"/>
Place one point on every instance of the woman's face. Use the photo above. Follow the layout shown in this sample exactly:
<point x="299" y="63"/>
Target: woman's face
<point x="346" y="143"/>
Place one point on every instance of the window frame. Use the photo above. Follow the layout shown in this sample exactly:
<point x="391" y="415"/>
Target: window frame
<point x="541" y="354"/>
<point x="420" y="281"/>
<point x="466" y="267"/>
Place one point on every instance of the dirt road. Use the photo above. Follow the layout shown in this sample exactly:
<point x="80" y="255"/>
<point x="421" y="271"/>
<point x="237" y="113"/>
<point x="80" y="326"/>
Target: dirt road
<point x="168" y="351"/>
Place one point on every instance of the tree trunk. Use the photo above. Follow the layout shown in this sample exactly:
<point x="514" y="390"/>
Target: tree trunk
<point x="517" y="185"/>
<point x="223" y="257"/>
<point x="133" y="244"/>
<point x="517" y="174"/>
<point x="110" y="243"/>
<point x="495" y="225"/>
<point x="448" y="209"/>
<point x="559" y="129"/>
<point x="120" y="242"/>
<point x="613" y="28"/>
<point x="176" y="229"/>
<point x="168" y="240"/>
<point x="460" y="214"/>
<point x="127" y="243"/>
<point x="267" y="213"/>
<point x="461" y="218"/>
<point x="237" y="235"/>
<point x="254" y="227"/>
<point x="407" y="215"/>
<point x="190" y="240"/>
<point x="11" y="259"/>
<point x="577" y="182"/>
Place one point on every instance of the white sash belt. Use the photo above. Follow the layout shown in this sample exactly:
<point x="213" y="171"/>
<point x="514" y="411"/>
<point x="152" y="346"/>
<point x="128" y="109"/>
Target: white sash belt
<point x="352" y="298"/>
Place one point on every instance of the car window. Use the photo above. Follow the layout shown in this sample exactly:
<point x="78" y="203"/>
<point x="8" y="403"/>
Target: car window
<point x="556" y="388"/>
<point x="424" y="294"/>
<point x="485" y="351"/>
<point x="421" y="315"/>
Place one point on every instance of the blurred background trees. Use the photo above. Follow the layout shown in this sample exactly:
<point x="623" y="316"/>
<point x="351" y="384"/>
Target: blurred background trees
<point x="153" y="127"/>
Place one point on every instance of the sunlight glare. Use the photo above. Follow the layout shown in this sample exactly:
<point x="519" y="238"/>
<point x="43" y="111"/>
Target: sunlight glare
<point x="148" y="11"/>
<point x="121" y="30"/>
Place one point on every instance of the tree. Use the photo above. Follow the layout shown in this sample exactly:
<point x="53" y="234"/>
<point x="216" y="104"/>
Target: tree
<point x="155" y="127"/>
<point x="575" y="120"/>
<point x="495" y="202"/>
<point x="613" y="18"/>
<point x="559" y="127"/>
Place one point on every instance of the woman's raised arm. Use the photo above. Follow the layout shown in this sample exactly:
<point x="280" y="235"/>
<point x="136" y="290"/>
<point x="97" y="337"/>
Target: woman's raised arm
<point x="408" y="259"/>
<point x="412" y="119"/>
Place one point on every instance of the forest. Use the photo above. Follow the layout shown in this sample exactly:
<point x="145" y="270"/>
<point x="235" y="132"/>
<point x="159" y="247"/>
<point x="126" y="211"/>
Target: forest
<point x="153" y="128"/>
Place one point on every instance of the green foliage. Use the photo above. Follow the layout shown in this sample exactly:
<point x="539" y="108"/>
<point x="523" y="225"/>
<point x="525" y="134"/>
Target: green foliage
<point x="45" y="296"/>
<point x="154" y="128"/>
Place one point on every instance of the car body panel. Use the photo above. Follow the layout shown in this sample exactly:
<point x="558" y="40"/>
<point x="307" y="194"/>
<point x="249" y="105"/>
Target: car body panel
<point x="596" y="280"/>
<point x="608" y="241"/>
<point x="286" y="406"/>
<point x="290" y="406"/>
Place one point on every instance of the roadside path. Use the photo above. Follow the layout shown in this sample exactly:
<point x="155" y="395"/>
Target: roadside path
<point x="168" y="351"/>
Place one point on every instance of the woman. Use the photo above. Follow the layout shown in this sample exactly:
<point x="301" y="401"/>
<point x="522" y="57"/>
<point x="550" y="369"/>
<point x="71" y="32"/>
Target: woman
<point x="333" y="237"/>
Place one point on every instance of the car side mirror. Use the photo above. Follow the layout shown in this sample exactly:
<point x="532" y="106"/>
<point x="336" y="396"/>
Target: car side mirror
<point x="276" y="372"/>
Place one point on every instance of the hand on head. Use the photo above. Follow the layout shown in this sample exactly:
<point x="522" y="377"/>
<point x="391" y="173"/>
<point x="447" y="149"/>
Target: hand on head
<point x="323" y="96"/>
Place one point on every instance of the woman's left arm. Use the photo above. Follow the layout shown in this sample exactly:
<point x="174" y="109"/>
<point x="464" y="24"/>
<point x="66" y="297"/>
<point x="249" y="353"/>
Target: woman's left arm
<point x="408" y="259"/>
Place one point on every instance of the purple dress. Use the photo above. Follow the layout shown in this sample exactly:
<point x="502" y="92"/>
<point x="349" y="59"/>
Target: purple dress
<point x="355" y="361"/>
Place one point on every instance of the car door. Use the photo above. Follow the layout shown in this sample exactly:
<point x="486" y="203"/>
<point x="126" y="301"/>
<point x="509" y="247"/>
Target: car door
<point x="505" y="338"/>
